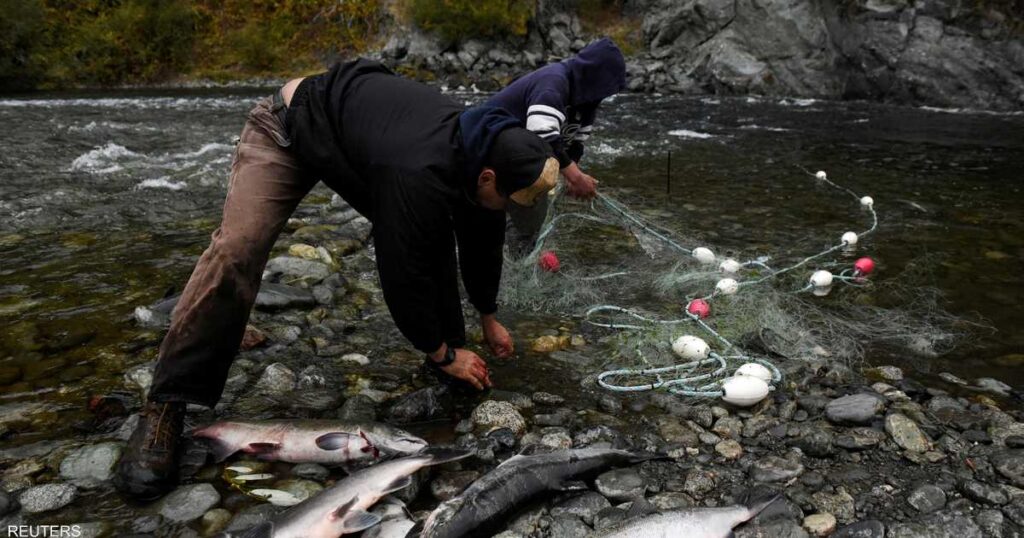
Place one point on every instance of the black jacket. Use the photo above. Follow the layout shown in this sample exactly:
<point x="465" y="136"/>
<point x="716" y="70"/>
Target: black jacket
<point x="393" y="149"/>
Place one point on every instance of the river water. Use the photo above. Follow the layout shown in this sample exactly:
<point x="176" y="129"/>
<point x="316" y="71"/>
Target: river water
<point x="107" y="200"/>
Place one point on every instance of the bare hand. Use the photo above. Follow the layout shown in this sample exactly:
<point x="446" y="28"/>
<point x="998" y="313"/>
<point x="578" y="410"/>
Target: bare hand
<point x="469" y="367"/>
<point x="578" y="184"/>
<point x="497" y="337"/>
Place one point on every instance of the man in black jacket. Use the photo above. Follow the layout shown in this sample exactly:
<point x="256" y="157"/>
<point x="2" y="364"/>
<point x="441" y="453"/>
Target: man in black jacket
<point x="428" y="174"/>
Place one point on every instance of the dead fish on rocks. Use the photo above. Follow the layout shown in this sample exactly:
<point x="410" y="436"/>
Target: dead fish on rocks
<point x="395" y="520"/>
<point x="519" y="479"/>
<point x="311" y="441"/>
<point x="342" y="508"/>
<point x="689" y="522"/>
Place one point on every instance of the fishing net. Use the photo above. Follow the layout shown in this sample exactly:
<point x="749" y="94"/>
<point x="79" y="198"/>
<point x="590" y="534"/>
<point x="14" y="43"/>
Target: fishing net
<point x="647" y="283"/>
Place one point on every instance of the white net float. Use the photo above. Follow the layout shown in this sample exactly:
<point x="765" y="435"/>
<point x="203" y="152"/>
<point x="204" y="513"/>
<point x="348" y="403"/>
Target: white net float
<point x="691" y="348"/>
<point x="704" y="255"/>
<point x="867" y="201"/>
<point x="753" y="369"/>
<point x="729" y="265"/>
<point x="850" y="238"/>
<point x="821" y="174"/>
<point x="821" y="279"/>
<point x="744" y="391"/>
<point x="727" y="286"/>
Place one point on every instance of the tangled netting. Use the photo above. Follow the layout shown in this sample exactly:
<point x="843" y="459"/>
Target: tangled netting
<point x="653" y="285"/>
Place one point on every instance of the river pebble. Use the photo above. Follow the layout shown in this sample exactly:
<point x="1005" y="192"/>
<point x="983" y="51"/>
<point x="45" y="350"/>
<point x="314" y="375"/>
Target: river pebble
<point x="820" y="524"/>
<point x="277" y="379"/>
<point x="621" y="484"/>
<point x="281" y="296"/>
<point x="927" y="498"/>
<point x="188" y="503"/>
<point x="491" y="415"/>
<point x="906" y="433"/>
<point x="862" y="529"/>
<point x="448" y="485"/>
<point x="775" y="469"/>
<point x="585" y="506"/>
<point x="90" y="466"/>
<point x="854" y="409"/>
<point x="47" y="497"/>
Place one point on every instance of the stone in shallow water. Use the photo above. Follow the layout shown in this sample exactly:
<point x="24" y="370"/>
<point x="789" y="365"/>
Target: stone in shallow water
<point x="311" y="471"/>
<point x="450" y="484"/>
<point x="983" y="493"/>
<point x="568" y="527"/>
<point x="862" y="529"/>
<point x="214" y="521"/>
<point x="91" y="465"/>
<point x="820" y="524"/>
<point x="298" y="268"/>
<point x="906" y="433"/>
<point x="546" y="398"/>
<point x="8" y="504"/>
<point x="927" y="498"/>
<point x="939" y="525"/>
<point x="47" y="497"/>
<point x="189" y="502"/>
<point x="491" y="415"/>
<point x="621" y="485"/>
<point x="585" y="506"/>
<point x="860" y="438"/>
<point x="775" y="469"/>
<point x="699" y="482"/>
<point x="729" y="449"/>
<point x="885" y="373"/>
<point x="280" y="296"/>
<point x="854" y="409"/>
<point x="839" y="504"/>
<point x="358" y="408"/>
<point x="277" y="379"/>
<point x="419" y="405"/>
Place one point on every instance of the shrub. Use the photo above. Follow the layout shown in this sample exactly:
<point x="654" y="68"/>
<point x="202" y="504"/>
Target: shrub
<point x="457" y="20"/>
<point x="21" y="25"/>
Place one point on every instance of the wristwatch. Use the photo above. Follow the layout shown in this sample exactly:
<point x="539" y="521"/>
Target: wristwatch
<point x="449" y="357"/>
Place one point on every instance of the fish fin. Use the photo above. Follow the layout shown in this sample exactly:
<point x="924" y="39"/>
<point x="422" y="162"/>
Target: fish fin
<point x="342" y="510"/>
<point x="400" y="483"/>
<point x="571" y="485"/>
<point x="262" y="448"/>
<point x="759" y="504"/>
<point x="440" y="455"/>
<point x="358" y="520"/>
<point x="416" y="530"/>
<point x="263" y="530"/>
<point x="336" y="440"/>
<point x="640" y="457"/>
<point x="641" y="507"/>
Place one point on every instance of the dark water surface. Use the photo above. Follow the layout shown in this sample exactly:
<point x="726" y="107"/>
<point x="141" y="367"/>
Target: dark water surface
<point x="106" y="201"/>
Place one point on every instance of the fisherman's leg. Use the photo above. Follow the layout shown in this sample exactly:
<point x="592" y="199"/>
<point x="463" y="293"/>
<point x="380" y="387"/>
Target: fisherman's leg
<point x="209" y="320"/>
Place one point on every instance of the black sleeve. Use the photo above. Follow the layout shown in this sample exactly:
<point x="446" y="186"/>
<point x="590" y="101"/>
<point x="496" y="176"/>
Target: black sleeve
<point x="558" y="150"/>
<point x="575" y="151"/>
<point x="412" y="235"/>
<point x="587" y="116"/>
<point x="481" y="235"/>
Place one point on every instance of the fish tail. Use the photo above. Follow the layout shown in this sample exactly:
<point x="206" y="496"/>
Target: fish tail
<point x="757" y="505"/>
<point x="642" y="456"/>
<point x="218" y="447"/>
<point x="440" y="455"/>
<point x="416" y="530"/>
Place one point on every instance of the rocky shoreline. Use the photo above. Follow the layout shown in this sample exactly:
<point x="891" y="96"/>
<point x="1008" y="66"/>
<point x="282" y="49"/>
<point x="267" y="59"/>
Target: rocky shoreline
<point x="868" y="453"/>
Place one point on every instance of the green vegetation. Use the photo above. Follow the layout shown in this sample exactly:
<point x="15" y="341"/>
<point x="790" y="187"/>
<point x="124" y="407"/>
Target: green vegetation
<point x="456" y="20"/>
<point x="62" y="43"/>
<point x="608" y="18"/>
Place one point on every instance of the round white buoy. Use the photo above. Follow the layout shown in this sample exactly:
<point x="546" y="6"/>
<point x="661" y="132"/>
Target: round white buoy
<point x="727" y="286"/>
<point x="744" y="390"/>
<point x="821" y="279"/>
<point x="821" y="175"/>
<point x="850" y="238"/>
<point x="867" y="201"/>
<point x="691" y="348"/>
<point x="729" y="265"/>
<point x="754" y="369"/>
<point x="704" y="255"/>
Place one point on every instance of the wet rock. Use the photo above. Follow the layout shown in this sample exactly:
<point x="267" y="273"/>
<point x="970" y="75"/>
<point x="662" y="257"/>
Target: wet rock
<point x="861" y="438"/>
<point x="820" y="524"/>
<point x="671" y="500"/>
<point x="906" y="433"/>
<point x="927" y="498"/>
<point x="301" y="489"/>
<point x="983" y="493"/>
<point x="297" y="269"/>
<point x="277" y="379"/>
<point x="355" y="358"/>
<point x="323" y="295"/>
<point x="699" y="482"/>
<point x="9" y="504"/>
<point x="839" y="504"/>
<point x="560" y="417"/>
<point x="775" y="469"/>
<point x="546" y="398"/>
<point x="188" y="503"/>
<point x="568" y="527"/>
<point x="140" y="377"/>
<point x="215" y="521"/>
<point x="939" y="525"/>
<point x="993" y="386"/>
<point x="491" y="415"/>
<point x="773" y="529"/>
<point x="675" y="432"/>
<point x="311" y="471"/>
<point x="729" y="449"/>
<point x="251" y="516"/>
<point x="272" y="297"/>
<point x="1015" y="511"/>
<point x="1014" y="441"/>
<point x="47" y="497"/>
<point x="854" y="409"/>
<point x="757" y="424"/>
<point x="252" y="339"/>
<point x="585" y="506"/>
<point x="817" y="442"/>
<point x="609" y="404"/>
<point x="557" y="439"/>
<point x="862" y="529"/>
<point x="419" y="405"/>
<point x="891" y="374"/>
<point x="448" y="485"/>
<point x="519" y="400"/>
<point x="90" y="466"/>
<point x="621" y="485"/>
<point x="728" y="427"/>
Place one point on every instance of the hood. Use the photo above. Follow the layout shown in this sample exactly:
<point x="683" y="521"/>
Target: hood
<point x="479" y="127"/>
<point x="597" y="72"/>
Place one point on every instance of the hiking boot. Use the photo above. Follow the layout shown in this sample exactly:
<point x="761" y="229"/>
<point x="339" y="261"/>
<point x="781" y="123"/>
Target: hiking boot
<point x="149" y="466"/>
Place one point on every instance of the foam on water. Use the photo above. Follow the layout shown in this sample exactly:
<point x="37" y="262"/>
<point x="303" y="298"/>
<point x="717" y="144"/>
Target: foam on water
<point x="101" y="160"/>
<point x="174" y="103"/>
<point x="685" y="133"/>
<point x="162" y="183"/>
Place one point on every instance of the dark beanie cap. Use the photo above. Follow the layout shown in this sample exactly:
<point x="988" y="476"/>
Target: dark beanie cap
<point x="517" y="157"/>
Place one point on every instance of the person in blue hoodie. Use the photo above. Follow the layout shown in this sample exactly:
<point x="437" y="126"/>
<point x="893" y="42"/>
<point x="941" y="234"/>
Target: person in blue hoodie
<point x="432" y="177"/>
<point x="559" y="103"/>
